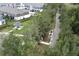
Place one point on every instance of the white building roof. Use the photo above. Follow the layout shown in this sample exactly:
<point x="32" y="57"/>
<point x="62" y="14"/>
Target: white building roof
<point x="13" y="11"/>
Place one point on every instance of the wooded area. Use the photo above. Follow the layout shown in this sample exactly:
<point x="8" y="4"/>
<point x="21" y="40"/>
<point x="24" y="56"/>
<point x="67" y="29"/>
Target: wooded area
<point x="67" y="44"/>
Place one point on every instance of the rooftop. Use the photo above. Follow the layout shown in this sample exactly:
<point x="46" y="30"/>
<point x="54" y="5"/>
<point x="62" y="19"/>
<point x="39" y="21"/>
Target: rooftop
<point x="13" y="11"/>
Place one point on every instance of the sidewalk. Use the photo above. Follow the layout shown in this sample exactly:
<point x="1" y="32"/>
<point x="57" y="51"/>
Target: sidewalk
<point x="45" y="43"/>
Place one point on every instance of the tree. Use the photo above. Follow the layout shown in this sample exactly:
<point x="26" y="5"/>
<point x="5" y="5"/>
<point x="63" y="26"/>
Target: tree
<point x="10" y="45"/>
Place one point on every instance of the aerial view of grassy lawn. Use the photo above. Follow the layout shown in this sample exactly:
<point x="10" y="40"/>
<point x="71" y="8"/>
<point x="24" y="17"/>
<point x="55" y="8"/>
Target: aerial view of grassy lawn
<point x="6" y="28"/>
<point x="24" y="22"/>
<point x="26" y="26"/>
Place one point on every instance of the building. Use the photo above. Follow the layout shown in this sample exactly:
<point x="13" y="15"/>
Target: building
<point x="15" y="13"/>
<point x="34" y="6"/>
<point x="20" y="10"/>
<point x="13" y="5"/>
<point x="33" y="9"/>
<point x="2" y="21"/>
<point x="20" y="6"/>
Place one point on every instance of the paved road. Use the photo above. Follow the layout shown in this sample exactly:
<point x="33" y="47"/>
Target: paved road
<point x="55" y="33"/>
